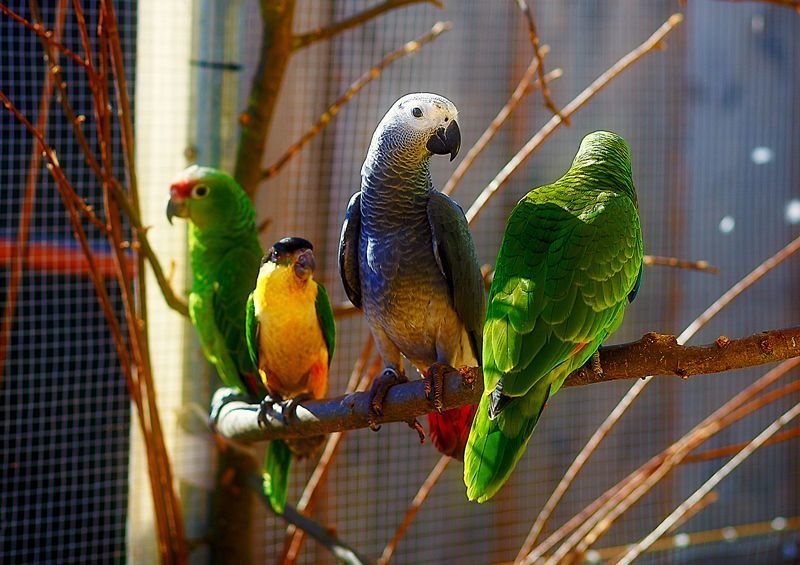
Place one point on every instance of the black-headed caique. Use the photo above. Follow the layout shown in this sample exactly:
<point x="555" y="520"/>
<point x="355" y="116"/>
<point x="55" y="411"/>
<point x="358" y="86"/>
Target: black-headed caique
<point x="569" y="263"/>
<point x="407" y="259"/>
<point x="291" y="337"/>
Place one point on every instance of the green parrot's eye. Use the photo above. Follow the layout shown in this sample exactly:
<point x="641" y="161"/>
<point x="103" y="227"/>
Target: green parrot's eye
<point x="199" y="191"/>
<point x="416" y="112"/>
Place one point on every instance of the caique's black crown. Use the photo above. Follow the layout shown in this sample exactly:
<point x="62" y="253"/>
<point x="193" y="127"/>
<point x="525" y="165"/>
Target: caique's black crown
<point x="285" y="246"/>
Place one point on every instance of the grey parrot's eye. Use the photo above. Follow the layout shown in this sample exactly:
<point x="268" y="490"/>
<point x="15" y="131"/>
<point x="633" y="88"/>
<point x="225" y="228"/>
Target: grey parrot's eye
<point x="416" y="112"/>
<point x="199" y="191"/>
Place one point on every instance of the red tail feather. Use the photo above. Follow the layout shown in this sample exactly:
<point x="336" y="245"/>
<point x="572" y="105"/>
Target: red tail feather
<point x="450" y="429"/>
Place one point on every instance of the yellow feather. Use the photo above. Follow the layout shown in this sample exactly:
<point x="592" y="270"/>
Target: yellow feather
<point x="290" y="338"/>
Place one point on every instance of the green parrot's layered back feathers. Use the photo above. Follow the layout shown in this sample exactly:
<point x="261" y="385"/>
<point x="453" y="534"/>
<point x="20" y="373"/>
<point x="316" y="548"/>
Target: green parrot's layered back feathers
<point x="571" y="255"/>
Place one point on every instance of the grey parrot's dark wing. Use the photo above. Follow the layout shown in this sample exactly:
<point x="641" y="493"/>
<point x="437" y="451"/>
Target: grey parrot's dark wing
<point x="348" y="250"/>
<point x="456" y="257"/>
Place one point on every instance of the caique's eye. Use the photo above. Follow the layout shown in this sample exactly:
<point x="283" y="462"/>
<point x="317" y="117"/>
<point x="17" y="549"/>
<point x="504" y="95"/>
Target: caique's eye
<point x="199" y="191"/>
<point x="416" y="112"/>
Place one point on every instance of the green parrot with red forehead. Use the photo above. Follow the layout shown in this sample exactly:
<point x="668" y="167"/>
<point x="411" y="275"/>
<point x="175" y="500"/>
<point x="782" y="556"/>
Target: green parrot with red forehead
<point x="245" y="336"/>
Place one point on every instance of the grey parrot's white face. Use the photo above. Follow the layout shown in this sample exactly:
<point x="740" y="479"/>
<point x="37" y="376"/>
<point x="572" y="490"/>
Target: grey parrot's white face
<point x="417" y="126"/>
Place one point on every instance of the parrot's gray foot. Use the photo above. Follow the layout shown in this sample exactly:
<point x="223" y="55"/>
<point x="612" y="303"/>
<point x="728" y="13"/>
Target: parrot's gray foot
<point x="290" y="406"/>
<point x="434" y="383"/>
<point x="377" y="394"/>
<point x="267" y="410"/>
<point x="596" y="366"/>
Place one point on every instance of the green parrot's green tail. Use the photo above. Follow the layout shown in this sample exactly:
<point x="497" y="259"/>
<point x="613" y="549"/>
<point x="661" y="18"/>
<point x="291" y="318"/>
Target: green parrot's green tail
<point x="495" y="446"/>
<point x="276" y="474"/>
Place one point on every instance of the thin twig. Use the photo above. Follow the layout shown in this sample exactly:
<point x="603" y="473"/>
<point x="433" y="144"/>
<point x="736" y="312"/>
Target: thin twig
<point x="294" y="536"/>
<point x="784" y="3"/>
<point x="45" y="36"/>
<point x="411" y="47"/>
<point x="654" y="354"/>
<point x="710" y="484"/>
<point x="622" y="406"/>
<point x="537" y="51"/>
<point x="422" y="494"/>
<point x="652" y="43"/>
<point x="264" y="226"/>
<point x="656" y="260"/>
<point x="731" y="449"/>
<point x="790" y="249"/>
<point x="728" y="533"/>
<point x="631" y="489"/>
<point x="320" y="33"/>
<point x="525" y="86"/>
<point x="26" y="212"/>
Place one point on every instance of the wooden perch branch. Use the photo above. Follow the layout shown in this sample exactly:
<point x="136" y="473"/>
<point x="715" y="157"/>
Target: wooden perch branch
<point x="321" y="33"/>
<point x="410" y="47"/>
<point x="653" y="354"/>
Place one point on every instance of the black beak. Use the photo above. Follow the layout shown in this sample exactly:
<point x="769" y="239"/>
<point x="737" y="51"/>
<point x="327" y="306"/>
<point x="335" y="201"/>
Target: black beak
<point x="304" y="264"/>
<point x="445" y="141"/>
<point x="176" y="209"/>
<point x="172" y="210"/>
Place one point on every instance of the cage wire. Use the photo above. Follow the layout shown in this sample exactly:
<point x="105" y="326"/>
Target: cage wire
<point x="64" y="408"/>
<point x="713" y="125"/>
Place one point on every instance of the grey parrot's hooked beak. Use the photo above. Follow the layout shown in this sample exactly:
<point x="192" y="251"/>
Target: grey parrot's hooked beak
<point x="304" y="264"/>
<point x="445" y="141"/>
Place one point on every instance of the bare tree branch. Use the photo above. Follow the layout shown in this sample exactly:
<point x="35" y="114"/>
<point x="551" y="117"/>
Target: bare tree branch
<point x="710" y="484"/>
<point x="652" y="43"/>
<point x="652" y="260"/>
<point x="276" y="42"/>
<point x="537" y="51"/>
<point x="320" y="33"/>
<point x="653" y="354"/>
<point x="525" y="86"/>
<point x="410" y="47"/>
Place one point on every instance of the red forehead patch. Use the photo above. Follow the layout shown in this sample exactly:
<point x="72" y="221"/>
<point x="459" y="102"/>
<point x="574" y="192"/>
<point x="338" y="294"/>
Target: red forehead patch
<point x="181" y="189"/>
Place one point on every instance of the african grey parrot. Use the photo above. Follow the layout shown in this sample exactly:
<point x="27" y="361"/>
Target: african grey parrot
<point x="407" y="259"/>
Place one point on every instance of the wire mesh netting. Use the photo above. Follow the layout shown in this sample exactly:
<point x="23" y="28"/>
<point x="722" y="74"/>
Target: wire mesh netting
<point x="713" y="124"/>
<point x="64" y="408"/>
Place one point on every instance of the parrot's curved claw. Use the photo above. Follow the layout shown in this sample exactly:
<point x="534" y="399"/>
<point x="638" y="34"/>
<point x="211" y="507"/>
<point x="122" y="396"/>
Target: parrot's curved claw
<point x="377" y="394"/>
<point x="434" y="383"/>
<point x="417" y="427"/>
<point x="266" y="410"/>
<point x="290" y="406"/>
<point x="596" y="366"/>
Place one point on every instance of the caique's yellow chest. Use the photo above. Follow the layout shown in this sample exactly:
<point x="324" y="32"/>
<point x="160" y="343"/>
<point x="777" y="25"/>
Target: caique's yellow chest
<point x="293" y="355"/>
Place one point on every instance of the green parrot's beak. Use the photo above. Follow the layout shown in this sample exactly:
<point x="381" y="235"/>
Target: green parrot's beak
<point x="176" y="209"/>
<point x="445" y="140"/>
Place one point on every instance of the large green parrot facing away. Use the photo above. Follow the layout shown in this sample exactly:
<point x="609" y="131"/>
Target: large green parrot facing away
<point x="569" y="263"/>
<point x="225" y="254"/>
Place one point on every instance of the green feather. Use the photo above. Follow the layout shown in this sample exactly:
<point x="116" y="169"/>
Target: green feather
<point x="571" y="255"/>
<point x="326" y="321"/>
<point x="277" y="463"/>
<point x="251" y="331"/>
